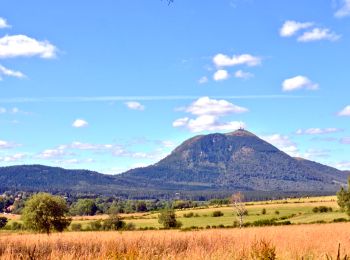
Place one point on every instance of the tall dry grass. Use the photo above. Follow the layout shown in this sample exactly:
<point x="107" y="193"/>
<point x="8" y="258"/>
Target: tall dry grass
<point x="291" y="242"/>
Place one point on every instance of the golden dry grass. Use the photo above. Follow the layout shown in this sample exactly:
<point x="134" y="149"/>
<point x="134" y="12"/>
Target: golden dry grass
<point x="291" y="242"/>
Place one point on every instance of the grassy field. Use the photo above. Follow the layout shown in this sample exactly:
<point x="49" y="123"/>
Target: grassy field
<point x="297" y="211"/>
<point x="288" y="242"/>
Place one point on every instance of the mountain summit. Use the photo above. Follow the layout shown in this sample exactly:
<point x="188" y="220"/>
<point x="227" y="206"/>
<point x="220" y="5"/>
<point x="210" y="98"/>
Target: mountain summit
<point x="236" y="160"/>
<point x="215" y="163"/>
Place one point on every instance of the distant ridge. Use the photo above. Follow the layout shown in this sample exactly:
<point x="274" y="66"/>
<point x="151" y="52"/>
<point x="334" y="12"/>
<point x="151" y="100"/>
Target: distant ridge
<point x="213" y="163"/>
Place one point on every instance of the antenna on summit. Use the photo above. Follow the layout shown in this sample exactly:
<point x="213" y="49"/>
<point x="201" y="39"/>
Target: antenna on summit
<point x="241" y="127"/>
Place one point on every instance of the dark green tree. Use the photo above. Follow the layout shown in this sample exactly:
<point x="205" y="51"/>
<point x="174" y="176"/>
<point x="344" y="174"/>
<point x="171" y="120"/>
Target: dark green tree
<point x="167" y="218"/>
<point x="45" y="213"/>
<point x="113" y="222"/>
<point x="84" y="207"/>
<point x="3" y="222"/>
<point x="343" y="196"/>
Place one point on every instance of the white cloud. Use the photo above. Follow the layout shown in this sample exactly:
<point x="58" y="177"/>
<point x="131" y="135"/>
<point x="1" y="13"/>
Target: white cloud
<point x="13" y="158"/>
<point x="221" y="75"/>
<point x="203" y="80"/>
<point x="318" y="34"/>
<point x="208" y="112"/>
<point x="53" y="153"/>
<point x="3" y="110"/>
<point x="345" y="140"/>
<point x="7" y="145"/>
<point x="222" y="60"/>
<point x="207" y="106"/>
<point x="344" y="165"/>
<point x="135" y="105"/>
<point x="345" y="111"/>
<point x="243" y="75"/>
<point x="211" y="123"/>
<point x="3" y="23"/>
<point x="318" y="131"/>
<point x="283" y="143"/>
<point x="290" y="28"/>
<point x="10" y="73"/>
<point x="78" y="123"/>
<point x="344" y="10"/>
<point x="298" y="82"/>
<point x="24" y="46"/>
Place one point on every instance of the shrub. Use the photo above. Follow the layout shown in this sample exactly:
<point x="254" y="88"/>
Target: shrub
<point x="96" y="225"/>
<point x="277" y="212"/>
<point x="16" y="226"/>
<point x="3" y="222"/>
<point x="217" y="213"/>
<point x="75" y="227"/>
<point x="188" y="215"/>
<point x="113" y="222"/>
<point x="263" y="211"/>
<point x="340" y="220"/>
<point x="167" y="218"/>
<point x="129" y="226"/>
<point x="322" y="209"/>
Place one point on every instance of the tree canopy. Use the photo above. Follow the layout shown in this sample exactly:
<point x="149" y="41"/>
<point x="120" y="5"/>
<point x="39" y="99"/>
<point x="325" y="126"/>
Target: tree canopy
<point x="45" y="213"/>
<point x="344" y="198"/>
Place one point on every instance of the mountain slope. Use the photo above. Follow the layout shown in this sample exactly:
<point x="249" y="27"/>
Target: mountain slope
<point x="211" y="163"/>
<point x="237" y="160"/>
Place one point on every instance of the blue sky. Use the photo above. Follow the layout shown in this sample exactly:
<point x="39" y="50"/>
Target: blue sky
<point x="113" y="85"/>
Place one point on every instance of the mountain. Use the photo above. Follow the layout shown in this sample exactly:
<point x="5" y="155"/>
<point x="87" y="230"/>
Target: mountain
<point x="211" y="163"/>
<point x="236" y="161"/>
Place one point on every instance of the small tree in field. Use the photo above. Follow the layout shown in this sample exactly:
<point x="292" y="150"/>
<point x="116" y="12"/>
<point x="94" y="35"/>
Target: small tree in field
<point x="239" y="207"/>
<point x="3" y="222"/>
<point x="344" y="198"/>
<point x="167" y="218"/>
<point x="44" y="213"/>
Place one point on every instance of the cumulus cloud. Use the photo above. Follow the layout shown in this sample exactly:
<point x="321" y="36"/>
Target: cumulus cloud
<point x="208" y="112"/>
<point x="79" y="123"/>
<point x="344" y="10"/>
<point x="23" y="46"/>
<point x="298" y="82"/>
<point x="208" y="106"/>
<point x="222" y="60"/>
<point x="10" y="73"/>
<point x="290" y="28"/>
<point x="53" y="153"/>
<point x="318" y="131"/>
<point x="345" y="111"/>
<point x="135" y="105"/>
<point x="284" y="143"/>
<point x="3" y="23"/>
<point x="221" y="75"/>
<point x="318" y="34"/>
<point x="243" y="75"/>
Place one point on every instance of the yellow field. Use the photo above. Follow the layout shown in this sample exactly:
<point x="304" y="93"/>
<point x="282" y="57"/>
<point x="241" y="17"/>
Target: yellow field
<point x="291" y="242"/>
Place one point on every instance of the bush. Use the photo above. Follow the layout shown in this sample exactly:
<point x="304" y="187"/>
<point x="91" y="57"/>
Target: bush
<point x="217" y="213"/>
<point x="188" y="215"/>
<point x="16" y="226"/>
<point x="3" y="222"/>
<point x="263" y="211"/>
<point x="340" y="220"/>
<point x="322" y="209"/>
<point x="75" y="227"/>
<point x="167" y="218"/>
<point x="96" y="225"/>
<point x="277" y="212"/>
<point x="113" y="222"/>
